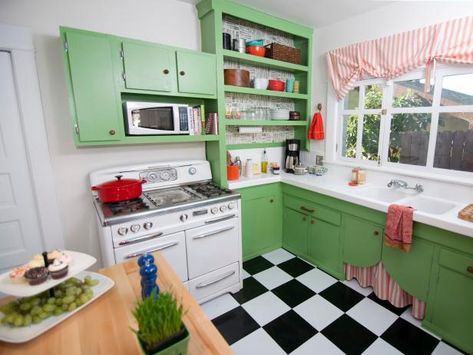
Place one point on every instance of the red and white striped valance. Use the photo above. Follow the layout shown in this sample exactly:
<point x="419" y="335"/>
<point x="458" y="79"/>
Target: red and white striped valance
<point x="395" y="55"/>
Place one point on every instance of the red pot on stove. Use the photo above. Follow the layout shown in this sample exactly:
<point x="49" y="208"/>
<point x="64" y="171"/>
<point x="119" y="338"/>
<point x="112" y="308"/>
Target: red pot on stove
<point x="119" y="189"/>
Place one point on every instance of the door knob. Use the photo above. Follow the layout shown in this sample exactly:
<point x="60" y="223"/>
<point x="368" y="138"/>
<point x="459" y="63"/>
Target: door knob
<point x="112" y="132"/>
<point x="182" y="72"/>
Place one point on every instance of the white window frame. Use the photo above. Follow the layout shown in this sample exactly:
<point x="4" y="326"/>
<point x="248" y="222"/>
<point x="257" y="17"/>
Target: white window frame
<point x="335" y="109"/>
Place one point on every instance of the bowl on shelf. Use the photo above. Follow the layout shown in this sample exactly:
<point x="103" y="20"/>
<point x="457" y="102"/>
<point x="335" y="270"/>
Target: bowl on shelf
<point x="256" y="50"/>
<point x="261" y="83"/>
<point x="280" y="114"/>
<point x="236" y="77"/>
<point x="276" y="85"/>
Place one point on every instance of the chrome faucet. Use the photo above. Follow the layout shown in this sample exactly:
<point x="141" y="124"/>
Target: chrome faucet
<point x="395" y="183"/>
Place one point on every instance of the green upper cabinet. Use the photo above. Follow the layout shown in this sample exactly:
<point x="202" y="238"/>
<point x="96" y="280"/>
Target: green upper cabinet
<point x="94" y="102"/>
<point x="149" y="67"/>
<point x="362" y="241"/>
<point x="197" y="73"/>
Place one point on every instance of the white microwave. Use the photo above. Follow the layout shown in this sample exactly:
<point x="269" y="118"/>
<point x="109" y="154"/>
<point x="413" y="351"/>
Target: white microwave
<point x="151" y="118"/>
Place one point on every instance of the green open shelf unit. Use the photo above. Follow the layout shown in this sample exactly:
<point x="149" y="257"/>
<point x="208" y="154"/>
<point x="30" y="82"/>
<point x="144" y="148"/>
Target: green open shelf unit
<point x="212" y="14"/>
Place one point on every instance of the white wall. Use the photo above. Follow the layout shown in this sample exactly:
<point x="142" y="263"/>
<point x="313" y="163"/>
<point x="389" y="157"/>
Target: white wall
<point x="399" y="17"/>
<point x="165" y="21"/>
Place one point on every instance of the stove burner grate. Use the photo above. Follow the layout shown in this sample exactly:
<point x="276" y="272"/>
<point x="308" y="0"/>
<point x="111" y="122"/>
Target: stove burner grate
<point x="127" y="206"/>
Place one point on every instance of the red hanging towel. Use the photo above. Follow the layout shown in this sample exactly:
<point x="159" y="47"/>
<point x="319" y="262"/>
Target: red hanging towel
<point x="316" y="130"/>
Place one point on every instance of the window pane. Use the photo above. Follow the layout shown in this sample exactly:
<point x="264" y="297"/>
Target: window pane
<point x="409" y="138"/>
<point x="454" y="147"/>
<point x="410" y="93"/>
<point x="352" y="99"/>
<point x="457" y="90"/>
<point x="350" y="128"/>
<point x="370" y="140"/>
<point x="373" y="96"/>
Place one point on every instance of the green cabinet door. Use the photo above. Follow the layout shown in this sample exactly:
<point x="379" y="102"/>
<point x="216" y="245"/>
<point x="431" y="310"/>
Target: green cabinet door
<point x="323" y="246"/>
<point x="362" y="241"/>
<point x="411" y="270"/>
<point x="295" y="227"/>
<point x="149" y="67"/>
<point x="91" y="81"/>
<point x="196" y="73"/>
<point x="451" y="308"/>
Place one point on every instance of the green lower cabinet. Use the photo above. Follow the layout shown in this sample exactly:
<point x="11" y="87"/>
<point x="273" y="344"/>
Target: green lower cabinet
<point x="295" y="228"/>
<point x="362" y="241"/>
<point x="261" y="220"/>
<point x="323" y="247"/>
<point x="450" y="306"/>
<point x="411" y="270"/>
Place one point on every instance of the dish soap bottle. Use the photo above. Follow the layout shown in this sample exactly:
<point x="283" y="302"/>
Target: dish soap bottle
<point x="264" y="163"/>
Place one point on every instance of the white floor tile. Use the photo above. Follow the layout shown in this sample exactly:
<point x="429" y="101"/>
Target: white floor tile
<point x="219" y="305"/>
<point x="272" y="277"/>
<point x="381" y="347"/>
<point x="353" y="284"/>
<point x="258" y="342"/>
<point x="408" y="316"/>
<point x="373" y="316"/>
<point x="318" y="344"/>
<point x="265" y="308"/>
<point x="245" y="274"/>
<point x="445" y="349"/>
<point x="316" y="280"/>
<point x="278" y="256"/>
<point x="318" y="312"/>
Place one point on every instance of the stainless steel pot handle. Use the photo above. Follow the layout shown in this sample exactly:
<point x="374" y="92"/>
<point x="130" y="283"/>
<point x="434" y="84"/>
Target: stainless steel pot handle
<point x="219" y="219"/>
<point x="140" y="239"/>
<point x="200" y="236"/>
<point x="208" y="283"/>
<point x="165" y="246"/>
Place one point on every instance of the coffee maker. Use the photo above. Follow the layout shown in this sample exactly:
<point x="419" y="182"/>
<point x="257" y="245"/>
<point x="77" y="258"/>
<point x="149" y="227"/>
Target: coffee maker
<point x="292" y="154"/>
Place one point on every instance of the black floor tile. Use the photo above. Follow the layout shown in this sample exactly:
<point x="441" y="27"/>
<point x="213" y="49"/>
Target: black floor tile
<point x="251" y="289"/>
<point x="409" y="339"/>
<point x="255" y="265"/>
<point x="349" y="335"/>
<point x="290" y="331"/>
<point x="293" y="293"/>
<point x="387" y="305"/>
<point x="235" y="324"/>
<point x="295" y="267"/>
<point x="341" y="296"/>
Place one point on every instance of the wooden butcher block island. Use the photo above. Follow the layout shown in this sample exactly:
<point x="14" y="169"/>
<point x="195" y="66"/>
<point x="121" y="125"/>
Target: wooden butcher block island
<point x="103" y="327"/>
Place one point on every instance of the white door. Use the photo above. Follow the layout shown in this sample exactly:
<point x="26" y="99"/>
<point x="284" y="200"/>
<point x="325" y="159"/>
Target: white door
<point x="20" y="232"/>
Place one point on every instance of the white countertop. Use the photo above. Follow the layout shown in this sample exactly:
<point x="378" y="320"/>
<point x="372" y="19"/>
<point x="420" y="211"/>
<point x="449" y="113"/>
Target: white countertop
<point x="337" y="186"/>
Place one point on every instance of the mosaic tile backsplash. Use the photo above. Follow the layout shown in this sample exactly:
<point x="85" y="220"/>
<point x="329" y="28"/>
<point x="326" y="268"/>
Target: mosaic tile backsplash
<point x="268" y="135"/>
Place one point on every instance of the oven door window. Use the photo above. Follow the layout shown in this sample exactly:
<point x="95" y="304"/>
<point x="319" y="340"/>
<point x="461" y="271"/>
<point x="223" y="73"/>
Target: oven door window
<point x="158" y="118"/>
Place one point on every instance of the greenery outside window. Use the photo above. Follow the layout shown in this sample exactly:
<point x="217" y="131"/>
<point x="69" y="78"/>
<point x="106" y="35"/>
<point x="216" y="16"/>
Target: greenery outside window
<point x="396" y="123"/>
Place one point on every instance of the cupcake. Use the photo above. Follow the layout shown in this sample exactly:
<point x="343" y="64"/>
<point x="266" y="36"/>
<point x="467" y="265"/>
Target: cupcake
<point x="37" y="261"/>
<point x="58" y="269"/>
<point x="17" y="275"/>
<point x="36" y="275"/>
<point x="53" y="255"/>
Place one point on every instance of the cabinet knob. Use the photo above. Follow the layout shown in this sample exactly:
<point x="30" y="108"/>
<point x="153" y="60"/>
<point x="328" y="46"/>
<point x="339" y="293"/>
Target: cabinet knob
<point x="304" y="219"/>
<point x="376" y="233"/>
<point x="182" y="72"/>
<point x="271" y="201"/>
<point x="312" y="221"/>
<point x="470" y="269"/>
<point x="166" y="71"/>
<point x="112" y="132"/>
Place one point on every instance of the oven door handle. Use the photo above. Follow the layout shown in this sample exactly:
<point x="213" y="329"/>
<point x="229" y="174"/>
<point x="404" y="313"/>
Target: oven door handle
<point x="141" y="239"/>
<point x="219" y="219"/>
<point x="208" y="283"/>
<point x="205" y="235"/>
<point x="161" y="247"/>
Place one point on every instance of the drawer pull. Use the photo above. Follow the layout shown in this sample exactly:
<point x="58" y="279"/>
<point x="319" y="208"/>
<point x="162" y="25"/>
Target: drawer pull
<point x="470" y="269"/>
<point x="312" y="221"/>
<point x="304" y="219"/>
<point x="140" y="239"/>
<point x="223" y="277"/>
<point x="205" y="235"/>
<point x="219" y="219"/>
<point x="375" y="233"/>
<point x="112" y="132"/>
<point x="308" y="210"/>
<point x="271" y="201"/>
<point x="161" y="247"/>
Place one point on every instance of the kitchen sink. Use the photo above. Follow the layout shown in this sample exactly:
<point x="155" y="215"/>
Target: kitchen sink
<point x="380" y="193"/>
<point x="427" y="204"/>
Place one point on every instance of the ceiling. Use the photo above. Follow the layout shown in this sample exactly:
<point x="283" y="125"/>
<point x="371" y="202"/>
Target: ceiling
<point x="313" y="13"/>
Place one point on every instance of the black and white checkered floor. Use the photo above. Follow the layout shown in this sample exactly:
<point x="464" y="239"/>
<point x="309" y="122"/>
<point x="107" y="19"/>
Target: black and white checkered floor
<point x="289" y="306"/>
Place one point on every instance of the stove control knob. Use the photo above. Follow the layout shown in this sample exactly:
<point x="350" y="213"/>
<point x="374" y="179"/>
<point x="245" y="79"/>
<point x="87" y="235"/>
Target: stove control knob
<point x="214" y="210"/>
<point x="192" y="170"/>
<point x="183" y="217"/>
<point x="135" y="228"/>
<point x="151" y="177"/>
<point x="148" y="225"/>
<point x="223" y="208"/>
<point x="122" y="230"/>
<point x="231" y="205"/>
<point x="165" y="176"/>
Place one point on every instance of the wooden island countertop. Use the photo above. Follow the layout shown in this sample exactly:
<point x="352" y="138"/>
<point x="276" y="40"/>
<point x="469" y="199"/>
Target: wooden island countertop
<point x="103" y="327"/>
